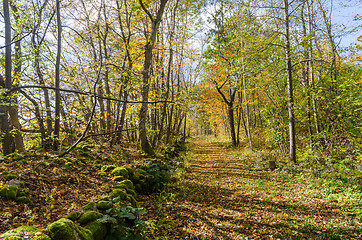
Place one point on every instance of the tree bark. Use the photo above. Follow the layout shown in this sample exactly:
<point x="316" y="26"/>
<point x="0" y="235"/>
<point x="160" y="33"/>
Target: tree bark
<point x="145" y="145"/>
<point x="288" y="63"/>
<point x="57" y="79"/>
<point x="5" y="127"/>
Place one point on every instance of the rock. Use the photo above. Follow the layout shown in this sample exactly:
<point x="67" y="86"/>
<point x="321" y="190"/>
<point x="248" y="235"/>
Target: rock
<point x="272" y="165"/>
<point x="89" y="217"/>
<point x="98" y="230"/>
<point x="89" y="206"/>
<point x="15" y="182"/>
<point x="120" y="171"/>
<point x="107" y="168"/>
<point x="104" y="205"/>
<point x="128" y="183"/>
<point x="24" y="232"/>
<point x="65" y="229"/>
<point x="132" y="200"/>
<point x="23" y="200"/>
<point x="73" y="216"/>
<point x="9" y="177"/>
<point x="135" y="178"/>
<point x="118" y="193"/>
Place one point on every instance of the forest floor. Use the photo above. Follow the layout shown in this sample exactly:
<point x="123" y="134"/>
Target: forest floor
<point x="230" y="194"/>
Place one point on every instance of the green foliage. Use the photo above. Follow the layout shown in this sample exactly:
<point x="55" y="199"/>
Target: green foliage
<point x="124" y="222"/>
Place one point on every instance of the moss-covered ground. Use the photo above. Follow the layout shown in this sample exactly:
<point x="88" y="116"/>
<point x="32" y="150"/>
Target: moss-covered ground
<point x="57" y="186"/>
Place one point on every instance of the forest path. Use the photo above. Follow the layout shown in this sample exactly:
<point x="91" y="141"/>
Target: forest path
<point x="226" y="194"/>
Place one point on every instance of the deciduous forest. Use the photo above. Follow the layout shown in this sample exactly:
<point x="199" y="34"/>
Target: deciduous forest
<point x="180" y="119"/>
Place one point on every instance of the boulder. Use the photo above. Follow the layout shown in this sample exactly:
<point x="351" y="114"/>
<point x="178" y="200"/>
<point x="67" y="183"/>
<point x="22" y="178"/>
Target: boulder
<point x="24" y="232"/>
<point x="89" y="217"/>
<point x="65" y="229"/>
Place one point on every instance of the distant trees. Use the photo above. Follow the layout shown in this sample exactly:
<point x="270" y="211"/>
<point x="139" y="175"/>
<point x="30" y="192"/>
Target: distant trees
<point x="279" y="64"/>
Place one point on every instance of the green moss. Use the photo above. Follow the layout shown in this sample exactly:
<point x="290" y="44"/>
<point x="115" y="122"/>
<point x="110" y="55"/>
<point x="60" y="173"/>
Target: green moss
<point x="138" y="188"/>
<point x="7" y="193"/>
<point x="8" y="177"/>
<point x="73" y="216"/>
<point x="130" y="170"/>
<point x="23" y="200"/>
<point x="120" y="171"/>
<point x="22" y="194"/>
<point x="104" y="205"/>
<point x="89" y="217"/>
<point x="120" y="186"/>
<point x="132" y="192"/>
<point x="117" y="192"/>
<point x="88" y="206"/>
<point x="132" y="201"/>
<point x="141" y="171"/>
<point x="67" y="229"/>
<point x="68" y="165"/>
<point x="13" y="188"/>
<point x="135" y="178"/>
<point x="107" y="168"/>
<point x="98" y="230"/>
<point x="118" y="178"/>
<point x="16" y="234"/>
<point x="128" y="183"/>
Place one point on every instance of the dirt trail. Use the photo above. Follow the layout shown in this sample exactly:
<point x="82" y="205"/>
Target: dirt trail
<point x="222" y="197"/>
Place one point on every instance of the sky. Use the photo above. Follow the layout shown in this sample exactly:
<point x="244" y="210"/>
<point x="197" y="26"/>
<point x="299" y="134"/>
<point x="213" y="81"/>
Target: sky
<point x="344" y="12"/>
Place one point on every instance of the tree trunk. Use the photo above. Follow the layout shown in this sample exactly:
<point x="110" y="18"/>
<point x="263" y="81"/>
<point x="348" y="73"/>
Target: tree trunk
<point x="57" y="79"/>
<point x="288" y="62"/>
<point x="5" y="128"/>
<point x="145" y="145"/>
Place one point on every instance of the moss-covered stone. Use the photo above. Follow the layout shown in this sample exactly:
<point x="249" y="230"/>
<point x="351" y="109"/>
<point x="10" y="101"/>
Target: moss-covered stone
<point x="104" y="205"/>
<point x="117" y="192"/>
<point x="67" y="229"/>
<point x="13" y="188"/>
<point x="132" y="201"/>
<point x="128" y="183"/>
<point x="9" y="177"/>
<point x="120" y="171"/>
<point x="89" y="217"/>
<point x="135" y="178"/>
<point x="7" y="193"/>
<point x="73" y="216"/>
<point x="141" y="171"/>
<point x="22" y="194"/>
<point x="138" y="188"/>
<point x="98" y="230"/>
<point x="130" y="170"/>
<point x="132" y="192"/>
<point x="89" y="206"/>
<point x="107" y="168"/>
<point x="31" y="233"/>
<point x="23" y="200"/>
<point x="118" y="178"/>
